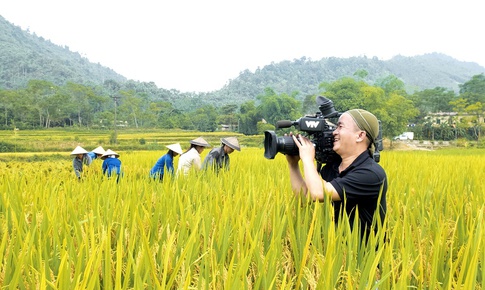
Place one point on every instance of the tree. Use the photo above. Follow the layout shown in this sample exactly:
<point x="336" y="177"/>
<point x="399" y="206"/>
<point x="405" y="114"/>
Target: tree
<point x="391" y="84"/>
<point x="372" y="98"/>
<point x="395" y="114"/>
<point x="476" y="110"/>
<point x="24" y="112"/>
<point x="309" y="105"/>
<point x="204" y="118"/>
<point x="474" y="89"/>
<point x="40" y="90"/>
<point x="86" y="103"/>
<point x="6" y="103"/>
<point x="166" y="116"/>
<point x="278" y="107"/>
<point x="361" y="73"/>
<point x="58" y="108"/>
<point x="345" y="93"/>
<point x="130" y="107"/>
<point x="433" y="100"/>
<point x="228" y="115"/>
<point x="248" y="118"/>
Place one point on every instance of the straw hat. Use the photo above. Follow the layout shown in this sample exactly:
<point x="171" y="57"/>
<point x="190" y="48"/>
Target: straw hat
<point x="200" y="142"/>
<point x="78" y="150"/>
<point x="108" y="153"/>
<point x="175" y="148"/>
<point x="231" y="142"/>
<point x="99" y="150"/>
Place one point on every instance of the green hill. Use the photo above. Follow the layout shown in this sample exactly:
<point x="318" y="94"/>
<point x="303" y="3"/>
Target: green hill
<point x="304" y="75"/>
<point x="25" y="56"/>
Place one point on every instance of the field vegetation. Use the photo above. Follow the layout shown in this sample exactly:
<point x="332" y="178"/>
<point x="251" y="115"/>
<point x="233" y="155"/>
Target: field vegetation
<point x="241" y="229"/>
<point x="62" y="140"/>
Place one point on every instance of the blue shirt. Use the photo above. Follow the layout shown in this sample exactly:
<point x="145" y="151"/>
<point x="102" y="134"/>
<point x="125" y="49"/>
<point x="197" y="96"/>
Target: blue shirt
<point x="159" y="168"/>
<point x="92" y="155"/>
<point x="111" y="165"/>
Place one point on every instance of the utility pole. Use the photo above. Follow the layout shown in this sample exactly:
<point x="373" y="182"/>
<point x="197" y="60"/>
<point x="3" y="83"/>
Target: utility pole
<point x="115" y="137"/>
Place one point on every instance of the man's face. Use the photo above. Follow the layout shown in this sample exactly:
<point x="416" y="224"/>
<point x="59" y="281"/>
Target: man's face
<point x="228" y="149"/>
<point x="345" y="135"/>
<point x="199" y="149"/>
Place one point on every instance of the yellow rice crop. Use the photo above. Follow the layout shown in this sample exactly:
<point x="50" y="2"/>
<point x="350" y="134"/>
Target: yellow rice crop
<point x="242" y="229"/>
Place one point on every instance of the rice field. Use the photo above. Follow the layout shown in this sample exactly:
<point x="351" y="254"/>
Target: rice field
<point x="241" y="229"/>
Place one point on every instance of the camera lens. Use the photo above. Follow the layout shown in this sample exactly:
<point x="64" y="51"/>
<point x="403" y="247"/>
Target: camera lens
<point x="270" y="140"/>
<point x="274" y="144"/>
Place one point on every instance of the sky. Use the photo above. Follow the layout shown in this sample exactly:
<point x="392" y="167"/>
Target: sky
<point x="199" y="46"/>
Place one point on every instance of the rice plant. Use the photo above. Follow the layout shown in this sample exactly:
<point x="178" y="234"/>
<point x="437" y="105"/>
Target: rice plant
<point x="240" y="229"/>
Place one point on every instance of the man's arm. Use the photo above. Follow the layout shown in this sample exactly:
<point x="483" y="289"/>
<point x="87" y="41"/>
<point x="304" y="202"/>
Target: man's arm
<point x="87" y="159"/>
<point x="296" y="179"/>
<point x="209" y="160"/>
<point x="315" y="185"/>
<point x="77" y="168"/>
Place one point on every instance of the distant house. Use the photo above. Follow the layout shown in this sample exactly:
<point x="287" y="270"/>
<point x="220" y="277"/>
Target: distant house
<point x="448" y="118"/>
<point x="103" y="123"/>
<point x="442" y="117"/>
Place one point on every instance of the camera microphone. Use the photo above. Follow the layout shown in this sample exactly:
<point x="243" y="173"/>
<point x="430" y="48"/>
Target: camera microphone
<point x="284" y="124"/>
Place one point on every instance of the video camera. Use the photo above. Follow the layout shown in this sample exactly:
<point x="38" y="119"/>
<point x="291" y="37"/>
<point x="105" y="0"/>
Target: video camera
<point x="317" y="129"/>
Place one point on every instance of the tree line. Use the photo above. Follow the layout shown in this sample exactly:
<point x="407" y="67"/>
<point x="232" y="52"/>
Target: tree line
<point x="41" y="104"/>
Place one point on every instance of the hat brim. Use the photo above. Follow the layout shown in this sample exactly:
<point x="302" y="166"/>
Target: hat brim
<point x="109" y="152"/>
<point x="106" y="156"/>
<point x="99" y="150"/>
<point x="175" y="148"/>
<point x="78" y="150"/>
<point x="199" y="144"/>
<point x="225" y="142"/>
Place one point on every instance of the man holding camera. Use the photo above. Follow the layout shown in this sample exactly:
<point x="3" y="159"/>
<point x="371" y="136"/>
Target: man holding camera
<point x="355" y="182"/>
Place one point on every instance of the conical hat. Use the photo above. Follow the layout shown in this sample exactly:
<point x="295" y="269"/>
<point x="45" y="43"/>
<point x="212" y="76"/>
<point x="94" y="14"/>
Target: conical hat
<point x="78" y="150"/>
<point x="231" y="142"/>
<point x="200" y="142"/>
<point x="175" y="148"/>
<point x="109" y="152"/>
<point x="99" y="150"/>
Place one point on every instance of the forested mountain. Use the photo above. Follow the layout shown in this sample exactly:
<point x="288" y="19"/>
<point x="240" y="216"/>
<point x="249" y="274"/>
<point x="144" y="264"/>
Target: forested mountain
<point x="25" y="56"/>
<point x="305" y="75"/>
<point x="43" y="85"/>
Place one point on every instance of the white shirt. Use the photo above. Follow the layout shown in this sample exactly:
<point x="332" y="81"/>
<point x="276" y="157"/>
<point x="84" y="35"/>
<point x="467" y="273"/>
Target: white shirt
<point x="187" y="160"/>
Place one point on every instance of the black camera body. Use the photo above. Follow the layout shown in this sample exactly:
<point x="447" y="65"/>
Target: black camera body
<point x="317" y="129"/>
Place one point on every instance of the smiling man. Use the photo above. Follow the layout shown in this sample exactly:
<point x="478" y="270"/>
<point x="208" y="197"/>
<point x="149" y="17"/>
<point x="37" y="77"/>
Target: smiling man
<point x="357" y="182"/>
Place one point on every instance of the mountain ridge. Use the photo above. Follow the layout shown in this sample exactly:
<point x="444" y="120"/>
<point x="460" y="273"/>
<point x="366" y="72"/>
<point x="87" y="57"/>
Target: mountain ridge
<point x="25" y="56"/>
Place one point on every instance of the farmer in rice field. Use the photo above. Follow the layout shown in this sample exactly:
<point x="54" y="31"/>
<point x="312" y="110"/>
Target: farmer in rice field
<point x="80" y="157"/>
<point x="111" y="164"/>
<point x="218" y="158"/>
<point x="357" y="183"/>
<point x="191" y="158"/>
<point x="96" y="153"/>
<point x="158" y="170"/>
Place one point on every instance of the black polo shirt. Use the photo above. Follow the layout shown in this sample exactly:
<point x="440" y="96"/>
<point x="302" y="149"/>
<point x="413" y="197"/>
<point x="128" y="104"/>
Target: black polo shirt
<point x="359" y="186"/>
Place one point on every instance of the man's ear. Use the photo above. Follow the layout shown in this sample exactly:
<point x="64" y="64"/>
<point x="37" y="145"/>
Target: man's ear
<point x="361" y="136"/>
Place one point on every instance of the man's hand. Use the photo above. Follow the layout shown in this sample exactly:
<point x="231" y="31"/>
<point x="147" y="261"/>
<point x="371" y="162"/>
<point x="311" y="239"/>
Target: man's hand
<point x="306" y="147"/>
